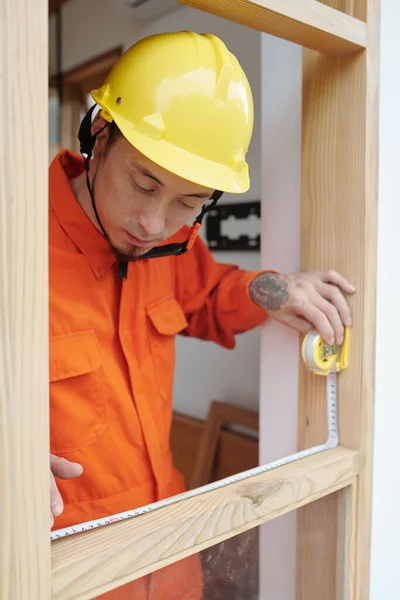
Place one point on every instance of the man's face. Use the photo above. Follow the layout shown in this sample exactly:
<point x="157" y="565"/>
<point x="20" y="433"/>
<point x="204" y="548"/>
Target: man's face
<point x="140" y="204"/>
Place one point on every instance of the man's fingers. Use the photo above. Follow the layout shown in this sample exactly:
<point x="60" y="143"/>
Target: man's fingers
<point x="63" y="468"/>
<point x="336" y="279"/>
<point x="56" y="503"/>
<point x="331" y="313"/>
<point x="335" y="296"/>
<point x="319" y="320"/>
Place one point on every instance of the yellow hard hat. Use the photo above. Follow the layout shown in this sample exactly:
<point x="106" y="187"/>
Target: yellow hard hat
<point x="183" y="100"/>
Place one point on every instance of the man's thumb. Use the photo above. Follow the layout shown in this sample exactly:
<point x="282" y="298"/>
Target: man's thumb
<point x="63" y="468"/>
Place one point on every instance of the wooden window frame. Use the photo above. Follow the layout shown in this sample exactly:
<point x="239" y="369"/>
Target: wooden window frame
<point x="76" y="84"/>
<point x="341" y="81"/>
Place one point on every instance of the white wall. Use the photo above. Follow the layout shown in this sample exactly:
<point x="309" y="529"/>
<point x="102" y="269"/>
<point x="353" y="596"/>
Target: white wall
<point x="204" y="370"/>
<point x="385" y="571"/>
<point x="281" y="91"/>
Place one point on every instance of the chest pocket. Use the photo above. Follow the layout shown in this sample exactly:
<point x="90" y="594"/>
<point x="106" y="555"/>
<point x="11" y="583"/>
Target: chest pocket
<point x="166" y="319"/>
<point x="77" y="392"/>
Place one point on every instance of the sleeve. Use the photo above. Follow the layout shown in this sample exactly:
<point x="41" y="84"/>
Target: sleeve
<point x="215" y="297"/>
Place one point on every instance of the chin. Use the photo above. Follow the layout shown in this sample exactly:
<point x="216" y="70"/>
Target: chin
<point x="129" y="254"/>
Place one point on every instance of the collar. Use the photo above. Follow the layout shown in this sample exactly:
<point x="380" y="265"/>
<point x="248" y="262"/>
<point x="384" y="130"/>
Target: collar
<point x="71" y="216"/>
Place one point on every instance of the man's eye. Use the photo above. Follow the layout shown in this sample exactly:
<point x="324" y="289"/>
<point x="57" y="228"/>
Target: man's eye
<point x="139" y="188"/>
<point x="188" y="206"/>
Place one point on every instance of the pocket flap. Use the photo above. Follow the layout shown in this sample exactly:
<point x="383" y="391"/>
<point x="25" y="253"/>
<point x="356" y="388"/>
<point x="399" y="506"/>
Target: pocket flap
<point x="167" y="316"/>
<point x="73" y="354"/>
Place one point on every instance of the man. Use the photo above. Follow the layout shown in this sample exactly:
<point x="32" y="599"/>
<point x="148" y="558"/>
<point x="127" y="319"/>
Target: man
<point x="127" y="275"/>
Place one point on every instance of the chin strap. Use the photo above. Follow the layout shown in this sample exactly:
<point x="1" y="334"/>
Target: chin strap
<point x="87" y="141"/>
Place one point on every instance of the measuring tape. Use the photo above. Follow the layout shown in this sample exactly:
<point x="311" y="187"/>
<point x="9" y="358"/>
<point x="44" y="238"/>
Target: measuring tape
<point x="320" y="358"/>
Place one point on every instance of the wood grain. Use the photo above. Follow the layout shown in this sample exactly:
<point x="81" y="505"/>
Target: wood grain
<point x="339" y="209"/>
<point x="88" y="564"/>
<point x="354" y="8"/>
<point x="24" y="438"/>
<point x="307" y="22"/>
<point x="333" y="236"/>
<point x="348" y="542"/>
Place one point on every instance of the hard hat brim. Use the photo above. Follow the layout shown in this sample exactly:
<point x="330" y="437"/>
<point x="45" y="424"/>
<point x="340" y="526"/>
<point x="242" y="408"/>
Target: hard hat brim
<point x="184" y="164"/>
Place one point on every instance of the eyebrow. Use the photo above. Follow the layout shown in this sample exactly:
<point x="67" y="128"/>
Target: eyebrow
<point x="147" y="173"/>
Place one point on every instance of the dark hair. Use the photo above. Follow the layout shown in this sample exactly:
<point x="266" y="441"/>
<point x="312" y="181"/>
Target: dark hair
<point x="114" y="135"/>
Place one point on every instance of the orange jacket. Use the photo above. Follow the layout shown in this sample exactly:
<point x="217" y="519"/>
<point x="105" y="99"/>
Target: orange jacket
<point x="112" y="353"/>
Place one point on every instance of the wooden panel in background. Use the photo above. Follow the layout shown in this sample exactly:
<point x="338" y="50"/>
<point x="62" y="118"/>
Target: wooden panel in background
<point x="99" y="65"/>
<point x="24" y="395"/>
<point x="233" y="452"/>
<point x="55" y="4"/>
<point x="185" y="439"/>
<point x="220" y="413"/>
<point x="71" y="107"/>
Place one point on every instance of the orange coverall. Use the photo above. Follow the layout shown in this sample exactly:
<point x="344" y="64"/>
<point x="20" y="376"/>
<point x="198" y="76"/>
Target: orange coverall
<point x="112" y="360"/>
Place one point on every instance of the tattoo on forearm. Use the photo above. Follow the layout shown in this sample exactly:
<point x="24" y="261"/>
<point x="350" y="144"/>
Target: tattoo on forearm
<point x="270" y="291"/>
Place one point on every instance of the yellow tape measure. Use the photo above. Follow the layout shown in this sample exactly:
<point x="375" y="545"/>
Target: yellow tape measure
<point x="322" y="358"/>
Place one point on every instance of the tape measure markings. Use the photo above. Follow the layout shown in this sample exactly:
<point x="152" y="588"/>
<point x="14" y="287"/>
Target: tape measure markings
<point x="332" y="442"/>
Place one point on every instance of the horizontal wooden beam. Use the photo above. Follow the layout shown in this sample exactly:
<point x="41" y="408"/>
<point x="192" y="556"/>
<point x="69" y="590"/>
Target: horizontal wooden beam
<point x="88" y="564"/>
<point x="305" y="22"/>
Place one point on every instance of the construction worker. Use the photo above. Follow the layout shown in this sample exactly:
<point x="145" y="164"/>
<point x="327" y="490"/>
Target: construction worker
<point x="127" y="274"/>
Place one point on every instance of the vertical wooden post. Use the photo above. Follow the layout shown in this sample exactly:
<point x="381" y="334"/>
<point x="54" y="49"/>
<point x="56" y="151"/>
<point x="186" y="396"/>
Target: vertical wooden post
<point x="339" y="208"/>
<point x="24" y="443"/>
<point x="354" y="8"/>
<point x="348" y="543"/>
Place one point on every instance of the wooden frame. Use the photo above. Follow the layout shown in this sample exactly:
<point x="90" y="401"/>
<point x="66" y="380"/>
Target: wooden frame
<point x="24" y="400"/>
<point x="82" y="567"/>
<point x="339" y="192"/>
<point x="76" y="85"/>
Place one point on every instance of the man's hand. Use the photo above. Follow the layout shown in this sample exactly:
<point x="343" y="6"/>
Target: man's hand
<point x="63" y="469"/>
<point x="306" y="301"/>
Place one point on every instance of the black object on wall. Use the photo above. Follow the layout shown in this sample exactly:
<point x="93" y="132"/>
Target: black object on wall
<point x="234" y="226"/>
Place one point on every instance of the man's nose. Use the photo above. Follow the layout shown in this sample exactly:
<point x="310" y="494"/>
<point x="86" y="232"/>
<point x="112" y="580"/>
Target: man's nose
<point x="152" y="222"/>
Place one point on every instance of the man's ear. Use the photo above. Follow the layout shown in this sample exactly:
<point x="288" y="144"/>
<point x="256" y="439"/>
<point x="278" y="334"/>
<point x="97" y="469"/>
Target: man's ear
<point x="103" y="137"/>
